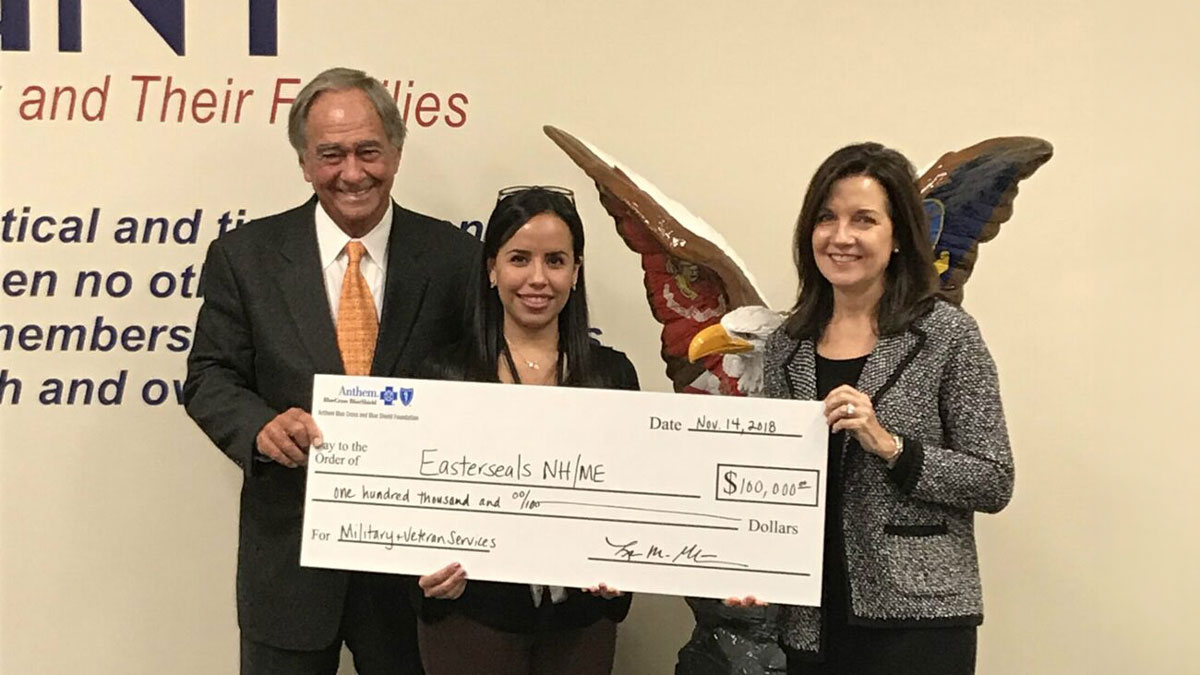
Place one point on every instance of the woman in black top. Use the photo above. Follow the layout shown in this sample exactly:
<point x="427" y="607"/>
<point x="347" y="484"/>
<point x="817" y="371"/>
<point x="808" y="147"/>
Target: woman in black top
<point x="529" y="326"/>
<point x="917" y="444"/>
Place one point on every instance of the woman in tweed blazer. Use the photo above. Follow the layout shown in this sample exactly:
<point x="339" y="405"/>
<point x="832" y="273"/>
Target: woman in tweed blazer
<point x="918" y="442"/>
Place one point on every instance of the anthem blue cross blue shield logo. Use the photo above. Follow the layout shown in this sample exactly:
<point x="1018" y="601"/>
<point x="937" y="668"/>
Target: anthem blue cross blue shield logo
<point x="406" y="395"/>
<point x="388" y="395"/>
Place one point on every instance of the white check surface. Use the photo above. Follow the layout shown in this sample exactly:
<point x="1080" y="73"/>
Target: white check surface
<point x="661" y="493"/>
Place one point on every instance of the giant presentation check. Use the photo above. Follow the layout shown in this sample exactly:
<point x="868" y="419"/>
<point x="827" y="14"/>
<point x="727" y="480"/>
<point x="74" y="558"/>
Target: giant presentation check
<point x="662" y="493"/>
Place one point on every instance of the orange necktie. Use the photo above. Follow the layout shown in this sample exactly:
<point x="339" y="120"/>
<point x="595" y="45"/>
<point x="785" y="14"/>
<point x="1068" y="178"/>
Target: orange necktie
<point x="357" y="325"/>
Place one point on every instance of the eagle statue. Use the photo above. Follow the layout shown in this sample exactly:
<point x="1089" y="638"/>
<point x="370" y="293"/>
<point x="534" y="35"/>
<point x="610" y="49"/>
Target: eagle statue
<point x="709" y="304"/>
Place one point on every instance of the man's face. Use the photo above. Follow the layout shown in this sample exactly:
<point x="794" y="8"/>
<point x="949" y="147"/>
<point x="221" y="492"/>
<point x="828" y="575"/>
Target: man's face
<point x="349" y="159"/>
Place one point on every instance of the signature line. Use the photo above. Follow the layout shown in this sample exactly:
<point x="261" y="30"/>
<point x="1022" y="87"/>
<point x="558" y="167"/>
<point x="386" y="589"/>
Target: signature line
<point x="701" y="565"/>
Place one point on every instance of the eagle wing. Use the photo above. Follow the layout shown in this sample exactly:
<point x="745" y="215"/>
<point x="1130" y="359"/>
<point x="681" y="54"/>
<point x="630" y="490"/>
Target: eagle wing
<point x="968" y="194"/>
<point x="691" y="275"/>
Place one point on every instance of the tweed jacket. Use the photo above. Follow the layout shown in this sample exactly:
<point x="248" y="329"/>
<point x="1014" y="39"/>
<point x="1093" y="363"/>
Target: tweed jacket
<point x="909" y="531"/>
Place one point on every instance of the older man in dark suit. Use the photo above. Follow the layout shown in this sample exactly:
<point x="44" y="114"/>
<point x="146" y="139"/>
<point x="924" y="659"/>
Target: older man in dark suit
<point x="349" y="282"/>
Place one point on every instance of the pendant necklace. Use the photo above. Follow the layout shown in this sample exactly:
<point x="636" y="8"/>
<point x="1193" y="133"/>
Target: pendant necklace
<point x="532" y="364"/>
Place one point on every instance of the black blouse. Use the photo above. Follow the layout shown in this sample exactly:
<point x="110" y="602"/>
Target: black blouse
<point x="831" y="374"/>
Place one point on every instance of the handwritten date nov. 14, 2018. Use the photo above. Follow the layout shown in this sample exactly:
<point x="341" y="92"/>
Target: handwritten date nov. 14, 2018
<point x="727" y="425"/>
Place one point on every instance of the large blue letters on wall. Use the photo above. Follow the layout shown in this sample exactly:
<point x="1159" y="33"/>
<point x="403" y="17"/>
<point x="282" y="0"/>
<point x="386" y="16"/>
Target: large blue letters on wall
<point x="166" y="17"/>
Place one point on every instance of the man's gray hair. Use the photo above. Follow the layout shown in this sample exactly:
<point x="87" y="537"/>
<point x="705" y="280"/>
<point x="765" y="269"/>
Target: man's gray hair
<point x="341" y="79"/>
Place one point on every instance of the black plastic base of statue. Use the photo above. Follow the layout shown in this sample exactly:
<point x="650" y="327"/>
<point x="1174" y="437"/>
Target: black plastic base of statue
<point x="732" y="641"/>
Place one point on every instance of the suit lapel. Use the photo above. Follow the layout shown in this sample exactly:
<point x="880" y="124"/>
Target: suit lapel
<point x="303" y="288"/>
<point x="802" y="371"/>
<point x="404" y="291"/>
<point x="891" y="354"/>
<point x="883" y="366"/>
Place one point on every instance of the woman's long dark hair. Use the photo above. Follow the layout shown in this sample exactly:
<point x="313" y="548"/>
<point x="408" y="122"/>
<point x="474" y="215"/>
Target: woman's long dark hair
<point x="487" y="321"/>
<point x="910" y="280"/>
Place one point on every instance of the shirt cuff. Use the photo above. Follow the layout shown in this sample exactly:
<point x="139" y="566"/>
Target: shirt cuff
<point x="907" y="470"/>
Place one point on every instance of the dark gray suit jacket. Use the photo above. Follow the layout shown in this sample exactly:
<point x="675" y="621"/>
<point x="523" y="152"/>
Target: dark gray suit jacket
<point x="909" y="532"/>
<point x="263" y="331"/>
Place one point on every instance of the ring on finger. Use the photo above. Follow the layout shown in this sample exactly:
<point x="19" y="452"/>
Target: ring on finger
<point x="849" y="410"/>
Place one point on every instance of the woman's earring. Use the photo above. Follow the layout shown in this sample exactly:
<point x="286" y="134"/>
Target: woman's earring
<point x="895" y="250"/>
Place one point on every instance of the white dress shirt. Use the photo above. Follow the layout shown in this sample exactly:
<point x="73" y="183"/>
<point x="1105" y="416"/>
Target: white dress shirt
<point x="331" y="245"/>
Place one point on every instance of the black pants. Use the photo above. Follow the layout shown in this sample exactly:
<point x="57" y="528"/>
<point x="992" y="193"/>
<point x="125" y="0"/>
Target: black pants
<point x="457" y="645"/>
<point x="378" y="625"/>
<point x="854" y="650"/>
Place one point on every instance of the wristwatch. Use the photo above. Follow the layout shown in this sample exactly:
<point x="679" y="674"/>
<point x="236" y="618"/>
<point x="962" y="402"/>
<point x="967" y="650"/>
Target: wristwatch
<point x="899" y="441"/>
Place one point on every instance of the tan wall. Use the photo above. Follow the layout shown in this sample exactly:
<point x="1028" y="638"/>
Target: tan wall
<point x="117" y="524"/>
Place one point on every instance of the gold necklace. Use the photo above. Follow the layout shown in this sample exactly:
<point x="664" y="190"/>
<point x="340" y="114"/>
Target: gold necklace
<point x="532" y="364"/>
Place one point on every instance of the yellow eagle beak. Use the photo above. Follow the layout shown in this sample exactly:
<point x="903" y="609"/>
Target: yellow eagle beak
<point x="714" y="340"/>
